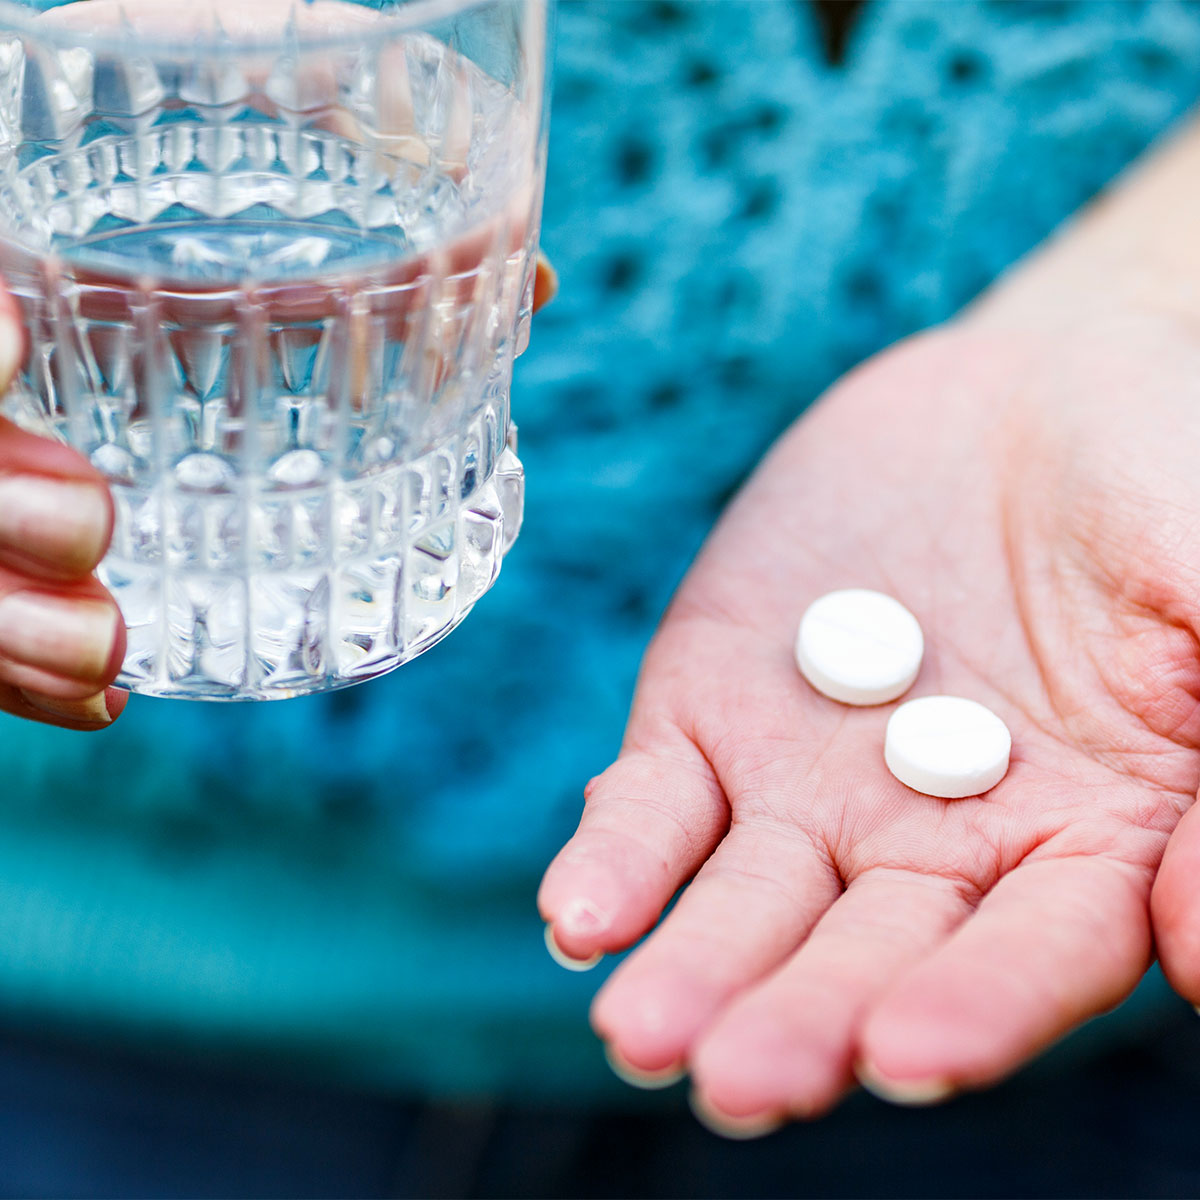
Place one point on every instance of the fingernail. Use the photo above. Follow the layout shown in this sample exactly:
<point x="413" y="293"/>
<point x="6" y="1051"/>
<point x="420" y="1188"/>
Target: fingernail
<point x="545" y="283"/>
<point x="72" y="638"/>
<point x="912" y="1093"/>
<point x="648" y="1081"/>
<point x="737" y="1129"/>
<point x="55" y="521"/>
<point x="92" y="711"/>
<point x="582" y="918"/>
<point x="563" y="959"/>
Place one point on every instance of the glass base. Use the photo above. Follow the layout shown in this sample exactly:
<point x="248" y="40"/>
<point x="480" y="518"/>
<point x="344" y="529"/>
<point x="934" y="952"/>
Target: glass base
<point x="312" y="627"/>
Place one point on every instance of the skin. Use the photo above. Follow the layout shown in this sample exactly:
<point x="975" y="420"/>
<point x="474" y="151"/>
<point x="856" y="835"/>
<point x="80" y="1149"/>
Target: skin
<point x="1024" y="480"/>
<point x="56" y="568"/>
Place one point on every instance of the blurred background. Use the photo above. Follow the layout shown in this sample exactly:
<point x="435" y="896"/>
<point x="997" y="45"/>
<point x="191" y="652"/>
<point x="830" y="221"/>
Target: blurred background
<point x="292" y="949"/>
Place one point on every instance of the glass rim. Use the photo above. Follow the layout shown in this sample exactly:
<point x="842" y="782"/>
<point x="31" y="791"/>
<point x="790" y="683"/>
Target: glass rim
<point x="20" y="19"/>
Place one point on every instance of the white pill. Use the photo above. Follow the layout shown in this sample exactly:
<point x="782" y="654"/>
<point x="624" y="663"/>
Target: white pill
<point x="859" y="647"/>
<point x="946" y="746"/>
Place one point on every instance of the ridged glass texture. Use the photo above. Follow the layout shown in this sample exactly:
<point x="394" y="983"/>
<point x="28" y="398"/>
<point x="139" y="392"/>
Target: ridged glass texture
<point x="275" y="261"/>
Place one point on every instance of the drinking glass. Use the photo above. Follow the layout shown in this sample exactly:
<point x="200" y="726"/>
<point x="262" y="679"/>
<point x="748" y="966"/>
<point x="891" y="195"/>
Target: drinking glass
<point x="275" y="258"/>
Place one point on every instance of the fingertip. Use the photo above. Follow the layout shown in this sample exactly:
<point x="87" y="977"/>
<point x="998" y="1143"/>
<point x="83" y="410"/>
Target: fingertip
<point x="907" y="1045"/>
<point x="1177" y="936"/>
<point x="52" y="527"/>
<point x="117" y="658"/>
<point x="935" y="1035"/>
<point x="594" y="904"/>
<point x="1179" y="958"/>
<point x="572" y="921"/>
<point x="115" y="701"/>
<point x="912" y="1092"/>
<point x="89" y="714"/>
<point x="646" y="1081"/>
<point x="737" y="1129"/>
<point x="1053" y="943"/>
<point x="545" y="285"/>
<point x="748" y="1062"/>
<point x="648" y="825"/>
<point x="650" y="1017"/>
<point x="567" y="961"/>
<point x="1175" y="909"/>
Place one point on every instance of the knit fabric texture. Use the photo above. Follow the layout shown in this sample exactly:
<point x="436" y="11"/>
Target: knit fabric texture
<point x="347" y="882"/>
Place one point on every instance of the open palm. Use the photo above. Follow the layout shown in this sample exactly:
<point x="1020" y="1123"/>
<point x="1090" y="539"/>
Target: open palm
<point x="1033" y="501"/>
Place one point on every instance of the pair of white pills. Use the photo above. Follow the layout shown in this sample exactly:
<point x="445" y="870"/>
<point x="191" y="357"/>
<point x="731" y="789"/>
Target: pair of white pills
<point x="863" y="648"/>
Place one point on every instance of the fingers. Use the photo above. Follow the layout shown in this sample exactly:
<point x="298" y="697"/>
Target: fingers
<point x="61" y="635"/>
<point x="59" y="648"/>
<point x="1055" y="942"/>
<point x="58" y="640"/>
<point x="787" y="1046"/>
<point x="56" y="515"/>
<point x="747" y="910"/>
<point x="86" y="715"/>
<point x="57" y="654"/>
<point x="52" y="527"/>
<point x="649" y="822"/>
<point x="47" y="636"/>
<point x="1175" y="908"/>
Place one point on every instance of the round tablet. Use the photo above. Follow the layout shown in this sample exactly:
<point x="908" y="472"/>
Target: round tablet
<point x="859" y="647"/>
<point x="946" y="746"/>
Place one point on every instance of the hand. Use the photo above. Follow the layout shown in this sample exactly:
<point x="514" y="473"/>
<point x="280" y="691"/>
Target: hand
<point x="1025" y="482"/>
<point x="61" y="635"/>
<point x="1033" y="499"/>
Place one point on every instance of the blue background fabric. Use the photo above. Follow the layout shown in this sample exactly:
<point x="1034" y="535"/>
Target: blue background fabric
<point x="347" y="882"/>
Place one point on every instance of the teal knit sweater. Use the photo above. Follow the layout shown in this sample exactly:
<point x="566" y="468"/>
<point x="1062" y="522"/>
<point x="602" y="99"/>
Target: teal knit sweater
<point x="347" y="883"/>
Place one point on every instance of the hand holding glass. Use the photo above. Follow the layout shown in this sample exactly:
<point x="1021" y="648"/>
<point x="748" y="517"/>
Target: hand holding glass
<point x="276" y="258"/>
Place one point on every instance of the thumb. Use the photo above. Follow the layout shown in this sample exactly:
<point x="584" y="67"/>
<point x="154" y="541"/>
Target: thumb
<point x="1175" y="908"/>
